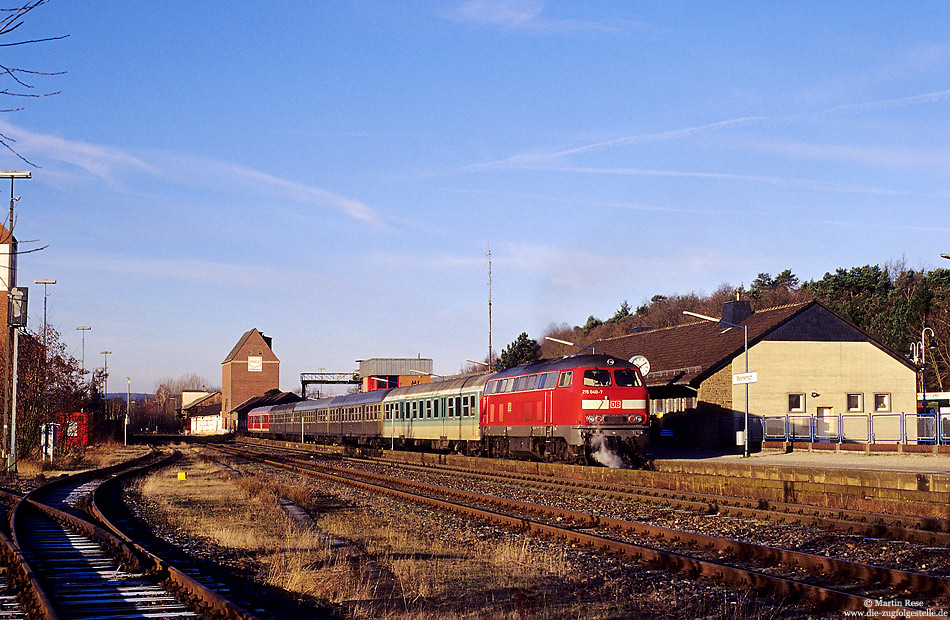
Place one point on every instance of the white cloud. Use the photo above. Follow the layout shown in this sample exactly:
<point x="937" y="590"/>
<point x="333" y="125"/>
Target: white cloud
<point x="103" y="162"/>
<point x="897" y="102"/>
<point x="526" y="15"/>
<point x="539" y="156"/>
<point x="118" y="169"/>
<point x="510" y="13"/>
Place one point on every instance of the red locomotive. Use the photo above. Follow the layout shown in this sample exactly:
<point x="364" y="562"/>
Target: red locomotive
<point x="579" y="409"/>
<point x="566" y="410"/>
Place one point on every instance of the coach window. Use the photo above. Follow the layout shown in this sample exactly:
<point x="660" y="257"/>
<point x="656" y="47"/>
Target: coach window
<point x="466" y="407"/>
<point x="428" y="408"/>
<point x="451" y="407"/>
<point x="473" y="407"/>
<point x="796" y="403"/>
<point x="435" y="409"/>
<point x="596" y="377"/>
<point x="567" y="377"/>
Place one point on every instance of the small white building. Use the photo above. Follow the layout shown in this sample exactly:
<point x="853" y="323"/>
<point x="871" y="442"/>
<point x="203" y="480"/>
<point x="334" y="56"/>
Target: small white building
<point x="202" y="412"/>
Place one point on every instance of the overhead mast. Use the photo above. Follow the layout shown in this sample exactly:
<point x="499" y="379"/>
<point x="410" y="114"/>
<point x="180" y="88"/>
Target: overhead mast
<point x="488" y="254"/>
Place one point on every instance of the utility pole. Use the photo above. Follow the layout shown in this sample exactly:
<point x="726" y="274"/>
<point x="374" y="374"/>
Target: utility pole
<point x="9" y="281"/>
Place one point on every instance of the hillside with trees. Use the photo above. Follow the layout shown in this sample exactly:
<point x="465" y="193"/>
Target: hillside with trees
<point x="892" y="303"/>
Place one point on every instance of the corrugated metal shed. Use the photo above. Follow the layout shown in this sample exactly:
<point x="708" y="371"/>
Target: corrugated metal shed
<point x="388" y="366"/>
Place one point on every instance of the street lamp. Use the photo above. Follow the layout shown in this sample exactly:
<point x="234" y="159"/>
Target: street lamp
<point x="45" y="283"/>
<point x="83" y="329"/>
<point x="570" y="344"/>
<point x="918" y="352"/>
<point x="105" y="378"/>
<point x="486" y="364"/>
<point x="745" y="334"/>
<point x="128" y="405"/>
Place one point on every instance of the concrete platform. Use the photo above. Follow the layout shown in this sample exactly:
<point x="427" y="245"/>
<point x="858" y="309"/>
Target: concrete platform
<point x="877" y="461"/>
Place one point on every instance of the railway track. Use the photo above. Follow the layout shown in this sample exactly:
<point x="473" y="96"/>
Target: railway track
<point x="822" y="581"/>
<point x="66" y="566"/>
<point x="868" y="524"/>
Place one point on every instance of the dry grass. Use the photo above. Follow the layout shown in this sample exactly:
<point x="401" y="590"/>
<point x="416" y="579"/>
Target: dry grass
<point x="88" y="457"/>
<point x="410" y="567"/>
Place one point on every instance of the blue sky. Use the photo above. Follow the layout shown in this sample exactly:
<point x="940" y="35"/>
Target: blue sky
<point x="332" y="173"/>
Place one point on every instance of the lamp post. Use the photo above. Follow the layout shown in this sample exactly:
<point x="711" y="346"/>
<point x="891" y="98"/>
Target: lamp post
<point x="128" y="404"/>
<point x="745" y="338"/>
<point x="918" y="352"/>
<point x="83" y="329"/>
<point x="570" y="344"/>
<point x="45" y="284"/>
<point x="105" y="378"/>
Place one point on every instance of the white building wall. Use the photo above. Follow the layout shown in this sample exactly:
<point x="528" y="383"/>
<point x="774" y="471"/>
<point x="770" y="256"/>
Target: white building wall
<point x="206" y="425"/>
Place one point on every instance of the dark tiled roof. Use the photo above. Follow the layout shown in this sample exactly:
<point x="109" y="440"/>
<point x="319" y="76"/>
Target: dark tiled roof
<point x="203" y="410"/>
<point x="202" y="402"/>
<point x="240" y="343"/>
<point x="688" y="353"/>
<point x="270" y="397"/>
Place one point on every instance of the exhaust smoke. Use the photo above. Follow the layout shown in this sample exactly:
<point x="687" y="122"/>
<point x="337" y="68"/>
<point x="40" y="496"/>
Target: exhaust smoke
<point x="603" y="454"/>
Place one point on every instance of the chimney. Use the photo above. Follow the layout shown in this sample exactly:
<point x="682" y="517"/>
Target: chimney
<point x="736" y="311"/>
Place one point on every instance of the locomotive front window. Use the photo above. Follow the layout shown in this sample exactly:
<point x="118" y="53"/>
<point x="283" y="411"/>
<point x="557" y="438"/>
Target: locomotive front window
<point x="596" y="377"/>
<point x="627" y="377"/>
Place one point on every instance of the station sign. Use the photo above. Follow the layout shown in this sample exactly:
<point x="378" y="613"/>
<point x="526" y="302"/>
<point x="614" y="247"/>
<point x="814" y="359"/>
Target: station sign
<point x="741" y="378"/>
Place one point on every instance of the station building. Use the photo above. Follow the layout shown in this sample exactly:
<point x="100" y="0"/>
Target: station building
<point x="809" y="362"/>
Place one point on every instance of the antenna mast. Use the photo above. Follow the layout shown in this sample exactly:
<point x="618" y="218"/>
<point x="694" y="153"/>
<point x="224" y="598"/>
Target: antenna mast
<point x="488" y="254"/>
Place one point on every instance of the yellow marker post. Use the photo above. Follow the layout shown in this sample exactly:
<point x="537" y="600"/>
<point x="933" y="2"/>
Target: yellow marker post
<point x="181" y="475"/>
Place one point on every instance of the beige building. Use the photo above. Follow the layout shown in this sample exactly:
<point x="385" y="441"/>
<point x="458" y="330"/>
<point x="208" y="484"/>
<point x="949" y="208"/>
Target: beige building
<point x="814" y="372"/>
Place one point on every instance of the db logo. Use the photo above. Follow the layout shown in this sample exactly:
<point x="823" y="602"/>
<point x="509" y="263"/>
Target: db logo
<point x="615" y="404"/>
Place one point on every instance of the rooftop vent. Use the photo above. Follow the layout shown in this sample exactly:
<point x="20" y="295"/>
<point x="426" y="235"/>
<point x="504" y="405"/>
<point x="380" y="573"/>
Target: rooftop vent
<point x="736" y="311"/>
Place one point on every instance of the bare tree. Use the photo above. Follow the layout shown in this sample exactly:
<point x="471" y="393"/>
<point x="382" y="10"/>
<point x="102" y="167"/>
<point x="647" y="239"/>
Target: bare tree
<point x="17" y="81"/>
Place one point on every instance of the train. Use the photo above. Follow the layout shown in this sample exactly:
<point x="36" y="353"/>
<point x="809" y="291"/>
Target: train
<point x="572" y="409"/>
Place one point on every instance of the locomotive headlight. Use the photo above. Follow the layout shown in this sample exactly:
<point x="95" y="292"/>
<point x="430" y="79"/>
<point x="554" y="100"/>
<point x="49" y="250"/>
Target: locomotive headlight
<point x="595" y="419"/>
<point x="636" y="419"/>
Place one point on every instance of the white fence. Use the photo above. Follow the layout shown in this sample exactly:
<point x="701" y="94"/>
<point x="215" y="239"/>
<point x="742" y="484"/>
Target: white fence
<point x="925" y="428"/>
